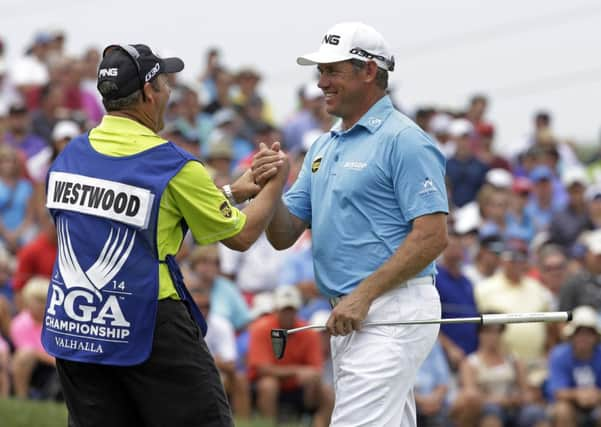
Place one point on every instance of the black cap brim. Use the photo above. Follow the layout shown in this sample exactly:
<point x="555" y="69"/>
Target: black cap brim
<point x="173" y="65"/>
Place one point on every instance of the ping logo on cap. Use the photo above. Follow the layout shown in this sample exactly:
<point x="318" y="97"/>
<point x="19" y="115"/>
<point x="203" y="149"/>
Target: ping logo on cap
<point x="108" y="72"/>
<point x="332" y="39"/>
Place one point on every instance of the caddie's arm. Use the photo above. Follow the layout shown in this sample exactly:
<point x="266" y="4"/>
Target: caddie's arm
<point x="261" y="209"/>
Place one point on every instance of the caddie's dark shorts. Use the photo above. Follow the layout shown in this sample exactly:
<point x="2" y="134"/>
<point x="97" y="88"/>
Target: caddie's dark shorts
<point x="178" y="386"/>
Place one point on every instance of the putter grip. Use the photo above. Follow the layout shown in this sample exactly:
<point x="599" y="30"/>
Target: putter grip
<point x="553" y="316"/>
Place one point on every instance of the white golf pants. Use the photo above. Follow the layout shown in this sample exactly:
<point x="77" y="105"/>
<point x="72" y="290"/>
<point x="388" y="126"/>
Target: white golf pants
<point x="375" y="368"/>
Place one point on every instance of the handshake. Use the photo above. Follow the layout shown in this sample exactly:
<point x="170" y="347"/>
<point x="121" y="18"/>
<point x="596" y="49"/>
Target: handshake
<point x="270" y="166"/>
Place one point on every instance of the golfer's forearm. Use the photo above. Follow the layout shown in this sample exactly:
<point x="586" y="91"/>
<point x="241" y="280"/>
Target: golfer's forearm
<point x="258" y="214"/>
<point x="284" y="228"/>
<point x="417" y="251"/>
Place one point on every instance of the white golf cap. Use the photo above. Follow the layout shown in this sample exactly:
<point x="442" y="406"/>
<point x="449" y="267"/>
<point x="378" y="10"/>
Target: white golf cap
<point x="262" y="304"/>
<point x="351" y="40"/>
<point x="311" y="91"/>
<point x="287" y="296"/>
<point x="592" y="241"/>
<point x="500" y="178"/>
<point x="575" y="175"/>
<point x="65" y="129"/>
<point x="460" y="127"/>
<point x="582" y="317"/>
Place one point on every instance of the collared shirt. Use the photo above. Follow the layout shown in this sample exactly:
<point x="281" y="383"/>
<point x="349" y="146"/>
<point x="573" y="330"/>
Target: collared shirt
<point x="190" y="195"/>
<point x="360" y="190"/>
<point x="457" y="300"/>
<point x="498" y="294"/>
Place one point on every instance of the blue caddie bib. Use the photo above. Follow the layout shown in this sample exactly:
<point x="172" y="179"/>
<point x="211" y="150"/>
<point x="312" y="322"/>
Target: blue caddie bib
<point x="103" y="295"/>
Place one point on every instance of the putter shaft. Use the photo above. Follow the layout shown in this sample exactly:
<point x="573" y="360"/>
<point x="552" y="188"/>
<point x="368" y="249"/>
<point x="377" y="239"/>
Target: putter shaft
<point x="485" y="319"/>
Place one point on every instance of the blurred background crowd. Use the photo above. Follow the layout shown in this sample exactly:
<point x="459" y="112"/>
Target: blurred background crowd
<point x="525" y="235"/>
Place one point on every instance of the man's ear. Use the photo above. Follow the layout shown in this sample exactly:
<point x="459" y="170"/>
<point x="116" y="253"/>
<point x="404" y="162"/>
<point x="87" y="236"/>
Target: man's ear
<point x="371" y="70"/>
<point x="149" y="92"/>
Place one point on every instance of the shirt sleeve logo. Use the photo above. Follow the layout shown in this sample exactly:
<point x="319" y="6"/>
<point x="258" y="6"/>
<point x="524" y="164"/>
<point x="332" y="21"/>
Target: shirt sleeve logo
<point x="428" y="187"/>
<point x="226" y="210"/>
<point x="316" y="163"/>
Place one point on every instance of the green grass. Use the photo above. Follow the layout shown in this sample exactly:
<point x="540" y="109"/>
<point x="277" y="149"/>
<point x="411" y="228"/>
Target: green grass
<point x="19" y="413"/>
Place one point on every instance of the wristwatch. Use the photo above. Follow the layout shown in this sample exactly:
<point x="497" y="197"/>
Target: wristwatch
<point x="227" y="191"/>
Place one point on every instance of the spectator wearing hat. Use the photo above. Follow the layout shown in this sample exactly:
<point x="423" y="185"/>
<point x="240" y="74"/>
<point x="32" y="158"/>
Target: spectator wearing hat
<point x="62" y="133"/>
<point x="226" y="299"/>
<point x="568" y="223"/>
<point x="493" y="204"/>
<point x="574" y="382"/>
<point x="228" y="123"/>
<point x="457" y="300"/>
<point x="295" y="377"/>
<point x="584" y="288"/>
<point x="485" y="136"/>
<point x="465" y="172"/>
<point x="247" y="82"/>
<point x="439" y="127"/>
<point x="511" y="291"/>
<point x="487" y="259"/>
<point x="32" y="367"/>
<point x="218" y="154"/>
<point x="518" y="218"/>
<point x="30" y="72"/>
<point x="542" y="205"/>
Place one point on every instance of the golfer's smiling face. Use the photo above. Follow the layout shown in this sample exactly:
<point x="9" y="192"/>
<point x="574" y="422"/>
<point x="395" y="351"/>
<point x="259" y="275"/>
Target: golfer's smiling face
<point x="342" y="86"/>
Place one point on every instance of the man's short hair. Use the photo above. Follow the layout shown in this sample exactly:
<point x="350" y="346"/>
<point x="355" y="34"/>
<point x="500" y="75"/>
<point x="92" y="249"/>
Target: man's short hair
<point x="381" y="74"/>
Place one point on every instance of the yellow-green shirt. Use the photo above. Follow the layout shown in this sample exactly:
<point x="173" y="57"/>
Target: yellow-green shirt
<point x="191" y="195"/>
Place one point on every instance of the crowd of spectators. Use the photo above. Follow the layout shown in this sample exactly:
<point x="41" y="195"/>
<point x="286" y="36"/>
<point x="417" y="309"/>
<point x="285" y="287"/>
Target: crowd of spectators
<point x="525" y="235"/>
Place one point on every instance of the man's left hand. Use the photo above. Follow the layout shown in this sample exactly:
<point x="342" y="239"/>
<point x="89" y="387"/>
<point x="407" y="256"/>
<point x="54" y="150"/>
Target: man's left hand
<point x="348" y="315"/>
<point x="244" y="187"/>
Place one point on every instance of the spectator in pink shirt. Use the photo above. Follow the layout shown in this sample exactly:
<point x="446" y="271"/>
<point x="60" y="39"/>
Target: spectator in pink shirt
<point x="32" y="366"/>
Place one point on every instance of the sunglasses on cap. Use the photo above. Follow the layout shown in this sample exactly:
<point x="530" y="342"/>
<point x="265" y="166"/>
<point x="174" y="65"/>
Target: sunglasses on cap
<point x="365" y="54"/>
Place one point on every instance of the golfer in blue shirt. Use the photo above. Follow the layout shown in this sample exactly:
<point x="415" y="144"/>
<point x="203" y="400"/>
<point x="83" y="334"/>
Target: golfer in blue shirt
<point x="372" y="190"/>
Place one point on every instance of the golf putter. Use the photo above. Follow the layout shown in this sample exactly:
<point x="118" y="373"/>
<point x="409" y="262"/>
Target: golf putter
<point x="279" y="337"/>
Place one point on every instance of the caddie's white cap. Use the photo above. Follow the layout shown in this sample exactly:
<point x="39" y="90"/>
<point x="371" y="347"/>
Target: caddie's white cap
<point x="351" y="40"/>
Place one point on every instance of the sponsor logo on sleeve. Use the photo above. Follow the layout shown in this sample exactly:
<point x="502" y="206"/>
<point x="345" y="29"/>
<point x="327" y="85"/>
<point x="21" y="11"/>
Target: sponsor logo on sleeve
<point x="225" y="209"/>
<point x="428" y="187"/>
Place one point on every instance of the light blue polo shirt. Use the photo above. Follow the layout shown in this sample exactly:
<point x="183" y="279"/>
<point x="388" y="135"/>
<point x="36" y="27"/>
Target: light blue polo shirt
<point x="360" y="190"/>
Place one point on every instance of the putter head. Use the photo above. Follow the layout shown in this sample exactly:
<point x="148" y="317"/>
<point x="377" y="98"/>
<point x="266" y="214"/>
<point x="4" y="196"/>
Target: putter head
<point x="278" y="342"/>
